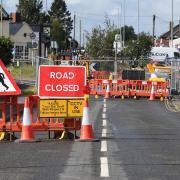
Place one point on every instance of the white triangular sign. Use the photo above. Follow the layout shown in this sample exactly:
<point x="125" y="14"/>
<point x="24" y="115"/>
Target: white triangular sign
<point x="7" y="84"/>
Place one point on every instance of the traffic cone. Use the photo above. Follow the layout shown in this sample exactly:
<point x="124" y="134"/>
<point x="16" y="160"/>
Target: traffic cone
<point x="96" y="96"/>
<point x="27" y="134"/>
<point x="152" y="94"/>
<point x="86" y="133"/>
<point x="107" y="91"/>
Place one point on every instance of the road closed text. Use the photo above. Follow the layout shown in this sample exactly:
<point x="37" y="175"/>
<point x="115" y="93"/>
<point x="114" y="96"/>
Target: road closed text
<point x="61" y="87"/>
<point x="61" y="81"/>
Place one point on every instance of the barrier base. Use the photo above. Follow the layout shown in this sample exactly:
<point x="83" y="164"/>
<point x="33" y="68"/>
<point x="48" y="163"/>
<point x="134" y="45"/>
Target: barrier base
<point x="87" y="140"/>
<point x="26" y="141"/>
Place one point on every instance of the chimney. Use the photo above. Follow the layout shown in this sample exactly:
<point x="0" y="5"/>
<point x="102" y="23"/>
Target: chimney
<point x="15" y="17"/>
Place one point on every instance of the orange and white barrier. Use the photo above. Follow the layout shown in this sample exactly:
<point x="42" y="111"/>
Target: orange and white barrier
<point x="129" y="88"/>
<point x="13" y="122"/>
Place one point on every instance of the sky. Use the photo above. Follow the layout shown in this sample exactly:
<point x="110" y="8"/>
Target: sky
<point x="92" y="13"/>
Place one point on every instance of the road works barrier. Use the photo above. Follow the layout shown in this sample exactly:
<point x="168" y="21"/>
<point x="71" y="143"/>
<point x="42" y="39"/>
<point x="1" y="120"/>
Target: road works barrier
<point x="129" y="88"/>
<point x="14" y="106"/>
<point x="100" y="74"/>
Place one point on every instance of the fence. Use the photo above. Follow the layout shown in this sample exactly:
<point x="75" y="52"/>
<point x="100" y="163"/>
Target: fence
<point x="175" y="77"/>
<point x="129" y="88"/>
<point x="14" y="106"/>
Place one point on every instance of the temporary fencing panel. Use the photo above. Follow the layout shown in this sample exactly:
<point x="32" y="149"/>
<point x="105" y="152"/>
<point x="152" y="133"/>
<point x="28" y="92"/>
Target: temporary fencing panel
<point x="10" y="105"/>
<point x="119" y="88"/>
<point x="100" y="74"/>
<point x="129" y="87"/>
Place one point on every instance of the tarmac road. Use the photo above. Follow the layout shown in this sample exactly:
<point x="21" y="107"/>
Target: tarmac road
<point x="138" y="140"/>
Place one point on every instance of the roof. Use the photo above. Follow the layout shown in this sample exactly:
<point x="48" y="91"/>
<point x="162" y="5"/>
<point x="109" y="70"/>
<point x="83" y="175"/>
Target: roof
<point x="4" y="12"/>
<point x="15" y="27"/>
<point x="176" y="32"/>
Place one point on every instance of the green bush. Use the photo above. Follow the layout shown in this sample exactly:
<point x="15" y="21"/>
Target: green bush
<point x="6" y="46"/>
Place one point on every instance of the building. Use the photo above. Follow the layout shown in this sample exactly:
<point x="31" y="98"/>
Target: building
<point x="176" y="36"/>
<point x="24" y="36"/>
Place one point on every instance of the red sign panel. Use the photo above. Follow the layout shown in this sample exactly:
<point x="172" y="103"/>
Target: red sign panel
<point x="62" y="81"/>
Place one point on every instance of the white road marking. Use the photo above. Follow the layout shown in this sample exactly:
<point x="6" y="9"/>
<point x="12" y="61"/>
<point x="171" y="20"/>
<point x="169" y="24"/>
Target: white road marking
<point x="105" y="105"/>
<point x="104" y="100"/>
<point x="104" y="132"/>
<point x="103" y="146"/>
<point x="103" y="115"/>
<point x="104" y="123"/>
<point x="104" y="167"/>
<point x="104" y="110"/>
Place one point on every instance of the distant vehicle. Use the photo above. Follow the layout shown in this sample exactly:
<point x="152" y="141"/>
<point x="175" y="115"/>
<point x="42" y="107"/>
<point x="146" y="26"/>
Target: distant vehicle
<point x="163" y="54"/>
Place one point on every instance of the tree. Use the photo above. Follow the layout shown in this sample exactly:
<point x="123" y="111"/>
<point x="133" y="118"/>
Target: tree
<point x="139" y="49"/>
<point x="59" y="12"/>
<point x="31" y="11"/>
<point x="95" y="42"/>
<point x="6" y="50"/>
<point x="100" y="41"/>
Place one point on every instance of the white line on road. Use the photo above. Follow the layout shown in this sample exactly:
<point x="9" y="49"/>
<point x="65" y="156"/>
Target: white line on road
<point x="103" y="115"/>
<point x="104" y="167"/>
<point x="104" y="123"/>
<point x="104" y="100"/>
<point x="104" y="110"/>
<point x="103" y="146"/>
<point x="104" y="132"/>
<point x="105" y="105"/>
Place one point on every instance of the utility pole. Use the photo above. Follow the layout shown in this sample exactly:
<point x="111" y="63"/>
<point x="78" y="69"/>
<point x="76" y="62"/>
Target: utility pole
<point x="83" y="40"/>
<point x="1" y="18"/>
<point x="138" y="20"/>
<point x="179" y="28"/>
<point x="80" y="33"/>
<point x="40" y="38"/>
<point x="172" y="24"/>
<point x="124" y="25"/>
<point x="74" y="35"/>
<point x="154" y="19"/>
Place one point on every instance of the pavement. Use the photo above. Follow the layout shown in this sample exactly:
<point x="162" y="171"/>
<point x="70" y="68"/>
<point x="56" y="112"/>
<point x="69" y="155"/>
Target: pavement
<point x="139" y="140"/>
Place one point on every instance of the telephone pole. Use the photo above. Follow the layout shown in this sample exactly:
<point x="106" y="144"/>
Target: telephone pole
<point x="154" y="19"/>
<point x="1" y="18"/>
<point x="172" y="24"/>
<point x="74" y="35"/>
<point x="80" y="33"/>
<point x="138" y="20"/>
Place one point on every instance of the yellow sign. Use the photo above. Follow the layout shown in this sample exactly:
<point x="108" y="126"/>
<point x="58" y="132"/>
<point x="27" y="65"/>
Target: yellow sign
<point x="53" y="108"/>
<point x="60" y="108"/>
<point x="75" y="108"/>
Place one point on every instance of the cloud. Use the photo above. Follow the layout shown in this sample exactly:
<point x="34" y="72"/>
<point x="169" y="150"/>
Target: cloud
<point x="92" y="12"/>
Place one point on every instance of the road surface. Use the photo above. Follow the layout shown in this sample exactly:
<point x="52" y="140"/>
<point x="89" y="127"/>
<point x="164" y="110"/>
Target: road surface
<point x="138" y="140"/>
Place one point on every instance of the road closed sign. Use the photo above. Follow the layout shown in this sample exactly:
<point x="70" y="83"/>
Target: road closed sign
<point x="61" y="81"/>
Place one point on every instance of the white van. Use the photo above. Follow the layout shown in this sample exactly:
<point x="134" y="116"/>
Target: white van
<point x="161" y="54"/>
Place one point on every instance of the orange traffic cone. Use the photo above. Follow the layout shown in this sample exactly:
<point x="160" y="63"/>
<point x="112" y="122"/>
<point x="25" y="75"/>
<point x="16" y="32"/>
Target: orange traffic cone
<point x="152" y="94"/>
<point x="86" y="133"/>
<point x="27" y="134"/>
<point x="107" y="91"/>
